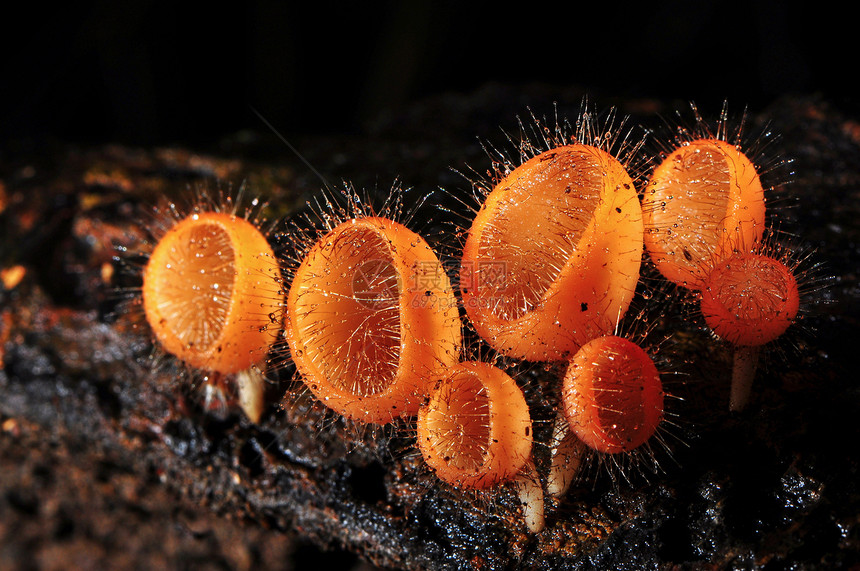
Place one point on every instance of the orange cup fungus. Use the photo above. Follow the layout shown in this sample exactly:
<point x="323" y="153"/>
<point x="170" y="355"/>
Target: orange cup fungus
<point x="552" y="258"/>
<point x="372" y="320"/>
<point x="475" y="430"/>
<point x="750" y="299"/>
<point x="702" y="203"/>
<point x="612" y="395"/>
<point x="211" y="289"/>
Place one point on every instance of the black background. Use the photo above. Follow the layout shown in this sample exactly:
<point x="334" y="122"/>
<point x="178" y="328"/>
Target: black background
<point x="150" y="71"/>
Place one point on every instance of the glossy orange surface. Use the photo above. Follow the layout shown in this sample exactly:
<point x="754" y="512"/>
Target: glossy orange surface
<point x="750" y="299"/>
<point x="702" y="203"/>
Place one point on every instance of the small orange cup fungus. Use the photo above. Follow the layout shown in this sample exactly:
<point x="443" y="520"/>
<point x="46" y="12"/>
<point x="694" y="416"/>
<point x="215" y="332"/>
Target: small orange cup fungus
<point x="372" y="320"/>
<point x="475" y="430"/>
<point x="702" y="203"/>
<point x="552" y="258"/>
<point x="211" y="290"/>
<point x="612" y="395"/>
<point x="749" y="300"/>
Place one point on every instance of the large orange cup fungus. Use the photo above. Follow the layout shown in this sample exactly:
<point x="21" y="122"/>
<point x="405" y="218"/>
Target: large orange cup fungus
<point x="749" y="300"/>
<point x="211" y="290"/>
<point x="552" y="258"/>
<point x="372" y="320"/>
<point x="475" y="430"/>
<point x="612" y="395"/>
<point x="702" y="203"/>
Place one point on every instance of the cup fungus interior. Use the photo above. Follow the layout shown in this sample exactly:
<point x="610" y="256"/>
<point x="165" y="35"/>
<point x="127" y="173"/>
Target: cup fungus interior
<point x="210" y="292"/>
<point x="365" y="341"/>
<point x="356" y="339"/>
<point x="475" y="429"/>
<point x="552" y="258"/>
<point x="612" y="395"/>
<point x="542" y="210"/>
<point x="461" y="420"/>
<point x="704" y="201"/>
<point x="750" y="299"/>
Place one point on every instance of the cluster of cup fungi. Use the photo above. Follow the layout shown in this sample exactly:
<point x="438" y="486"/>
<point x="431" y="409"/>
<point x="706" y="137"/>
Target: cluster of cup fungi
<point x="548" y="268"/>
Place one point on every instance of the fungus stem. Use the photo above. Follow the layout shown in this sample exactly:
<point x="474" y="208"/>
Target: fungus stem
<point x="743" y="372"/>
<point x="567" y="453"/>
<point x="530" y="492"/>
<point x="252" y="387"/>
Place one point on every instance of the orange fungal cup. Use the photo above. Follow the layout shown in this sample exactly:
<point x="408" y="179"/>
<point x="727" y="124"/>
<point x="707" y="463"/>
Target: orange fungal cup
<point x="750" y="299"/>
<point x="552" y="258"/>
<point x="612" y="395"/>
<point x="372" y="320"/>
<point x="211" y="291"/>
<point x="475" y="430"/>
<point x="702" y="203"/>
